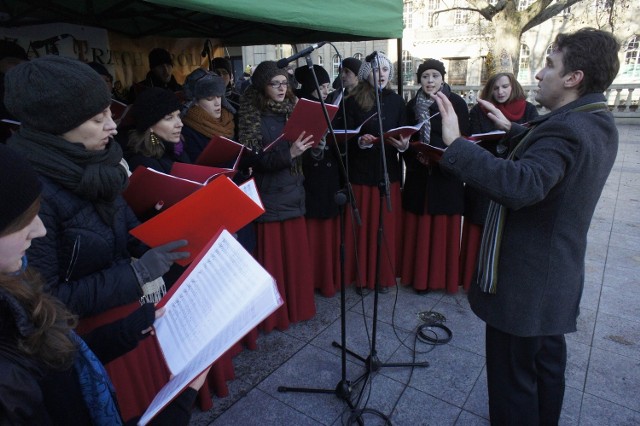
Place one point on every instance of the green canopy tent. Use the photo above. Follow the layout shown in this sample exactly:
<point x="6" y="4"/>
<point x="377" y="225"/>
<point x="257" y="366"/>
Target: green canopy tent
<point x="235" y="22"/>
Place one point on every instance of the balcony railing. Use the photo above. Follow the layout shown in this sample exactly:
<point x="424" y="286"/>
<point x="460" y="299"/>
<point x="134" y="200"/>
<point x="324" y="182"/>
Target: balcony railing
<point x="623" y="99"/>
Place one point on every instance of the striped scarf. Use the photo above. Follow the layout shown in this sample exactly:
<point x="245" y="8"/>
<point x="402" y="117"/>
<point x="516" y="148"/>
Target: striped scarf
<point x="489" y="253"/>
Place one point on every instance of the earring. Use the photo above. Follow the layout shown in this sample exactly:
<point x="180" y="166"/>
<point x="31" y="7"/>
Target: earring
<point x="154" y="139"/>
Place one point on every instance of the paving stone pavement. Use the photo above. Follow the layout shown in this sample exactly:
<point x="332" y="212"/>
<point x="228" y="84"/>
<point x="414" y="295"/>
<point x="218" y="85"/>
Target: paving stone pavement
<point x="603" y="371"/>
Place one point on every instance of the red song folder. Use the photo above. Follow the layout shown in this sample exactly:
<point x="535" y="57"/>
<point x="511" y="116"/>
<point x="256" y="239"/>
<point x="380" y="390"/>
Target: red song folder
<point x="307" y="116"/>
<point x="200" y="174"/>
<point x="150" y="189"/>
<point x="221" y="152"/>
<point x="198" y="217"/>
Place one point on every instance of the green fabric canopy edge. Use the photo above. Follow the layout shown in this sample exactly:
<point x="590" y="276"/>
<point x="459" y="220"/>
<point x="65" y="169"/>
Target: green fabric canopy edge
<point x="368" y="18"/>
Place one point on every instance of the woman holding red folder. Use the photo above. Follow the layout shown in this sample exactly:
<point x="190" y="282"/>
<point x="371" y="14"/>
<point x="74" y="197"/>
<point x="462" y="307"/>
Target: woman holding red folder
<point x="156" y="142"/>
<point x="321" y="182"/>
<point x="432" y="201"/>
<point x="87" y="259"/>
<point x="283" y="247"/>
<point x="48" y="374"/>
<point x="366" y="174"/>
<point x="208" y="113"/>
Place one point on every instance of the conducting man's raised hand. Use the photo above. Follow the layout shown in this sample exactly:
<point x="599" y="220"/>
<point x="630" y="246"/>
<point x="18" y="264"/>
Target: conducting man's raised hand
<point x="450" y="127"/>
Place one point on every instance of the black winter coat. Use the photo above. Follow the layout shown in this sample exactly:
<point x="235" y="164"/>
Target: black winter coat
<point x="32" y="394"/>
<point x="84" y="261"/>
<point x="444" y="193"/>
<point x="475" y="202"/>
<point x="281" y="190"/>
<point x="365" y="165"/>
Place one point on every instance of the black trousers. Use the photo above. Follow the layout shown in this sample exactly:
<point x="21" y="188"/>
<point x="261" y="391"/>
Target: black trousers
<point x="525" y="377"/>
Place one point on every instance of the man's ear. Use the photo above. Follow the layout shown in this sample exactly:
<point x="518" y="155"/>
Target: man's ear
<point x="573" y="79"/>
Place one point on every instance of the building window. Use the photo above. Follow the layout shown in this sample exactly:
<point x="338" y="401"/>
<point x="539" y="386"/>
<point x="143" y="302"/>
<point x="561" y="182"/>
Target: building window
<point x="632" y="58"/>
<point x="549" y="50"/>
<point x="462" y="17"/>
<point x="457" y="72"/>
<point x="407" y="67"/>
<point x="335" y="68"/>
<point x="358" y="56"/>
<point x="523" y="72"/>
<point x="279" y="51"/>
<point x="407" y="15"/>
<point x="430" y="18"/>
<point x="320" y="61"/>
<point x="523" y="4"/>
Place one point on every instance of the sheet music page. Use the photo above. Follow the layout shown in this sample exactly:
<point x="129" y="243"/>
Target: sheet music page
<point x="249" y="187"/>
<point x="224" y="296"/>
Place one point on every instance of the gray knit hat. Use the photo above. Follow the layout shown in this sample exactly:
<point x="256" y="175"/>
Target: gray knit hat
<point x="202" y="84"/>
<point x="19" y="188"/>
<point x="54" y="94"/>
<point x="152" y="105"/>
<point x="264" y="72"/>
<point x="365" y="68"/>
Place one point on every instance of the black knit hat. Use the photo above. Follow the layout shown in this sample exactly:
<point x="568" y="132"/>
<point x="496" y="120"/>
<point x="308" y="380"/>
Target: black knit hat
<point x="11" y="49"/>
<point x="431" y="64"/>
<point x="353" y="64"/>
<point x="264" y="72"/>
<point x="19" y="186"/>
<point x="223" y="63"/>
<point x="159" y="56"/>
<point x="54" y="94"/>
<point x="152" y="105"/>
<point x="305" y="78"/>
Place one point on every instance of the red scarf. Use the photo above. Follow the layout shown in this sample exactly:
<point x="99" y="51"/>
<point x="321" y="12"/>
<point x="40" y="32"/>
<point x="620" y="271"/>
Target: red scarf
<point x="514" y="111"/>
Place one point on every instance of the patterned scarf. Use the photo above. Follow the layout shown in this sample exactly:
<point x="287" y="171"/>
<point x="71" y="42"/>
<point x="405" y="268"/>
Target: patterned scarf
<point x="422" y="113"/>
<point x="96" y="176"/>
<point x="203" y="122"/>
<point x="250" y="122"/>
<point x="489" y="253"/>
<point x="96" y="387"/>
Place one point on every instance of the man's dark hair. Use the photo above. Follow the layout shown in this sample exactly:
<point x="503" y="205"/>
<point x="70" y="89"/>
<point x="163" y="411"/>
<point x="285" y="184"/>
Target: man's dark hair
<point x="595" y="53"/>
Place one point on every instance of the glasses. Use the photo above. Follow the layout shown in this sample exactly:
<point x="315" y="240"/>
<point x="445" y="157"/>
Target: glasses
<point x="278" y="84"/>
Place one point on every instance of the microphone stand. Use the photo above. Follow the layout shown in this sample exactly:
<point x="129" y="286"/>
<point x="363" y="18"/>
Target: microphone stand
<point x="372" y="362"/>
<point x="344" y="388"/>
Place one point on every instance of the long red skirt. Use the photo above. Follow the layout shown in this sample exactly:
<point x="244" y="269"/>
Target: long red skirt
<point x="431" y="252"/>
<point x="138" y="375"/>
<point x="361" y="242"/>
<point x="324" y="248"/>
<point x="283" y="250"/>
<point x="471" y="238"/>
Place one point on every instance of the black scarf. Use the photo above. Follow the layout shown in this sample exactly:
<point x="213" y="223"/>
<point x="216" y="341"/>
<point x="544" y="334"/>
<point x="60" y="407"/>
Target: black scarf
<point x="96" y="176"/>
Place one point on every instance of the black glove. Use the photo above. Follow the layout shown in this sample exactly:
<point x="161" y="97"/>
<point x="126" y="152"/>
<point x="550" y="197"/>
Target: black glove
<point x="157" y="261"/>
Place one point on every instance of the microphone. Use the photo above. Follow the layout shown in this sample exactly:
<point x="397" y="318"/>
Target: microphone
<point x="51" y="40"/>
<point x="304" y="52"/>
<point x="371" y="56"/>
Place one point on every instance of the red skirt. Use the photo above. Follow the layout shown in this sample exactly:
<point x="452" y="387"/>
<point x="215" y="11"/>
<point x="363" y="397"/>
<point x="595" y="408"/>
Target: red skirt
<point x="138" y="375"/>
<point x="283" y="250"/>
<point x="471" y="238"/>
<point x="431" y="252"/>
<point x="324" y="248"/>
<point x="361" y="241"/>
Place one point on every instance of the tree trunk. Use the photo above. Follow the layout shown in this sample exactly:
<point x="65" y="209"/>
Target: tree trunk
<point x="506" y="45"/>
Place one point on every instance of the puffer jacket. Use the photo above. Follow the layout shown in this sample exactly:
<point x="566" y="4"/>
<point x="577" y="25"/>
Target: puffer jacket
<point x="84" y="261"/>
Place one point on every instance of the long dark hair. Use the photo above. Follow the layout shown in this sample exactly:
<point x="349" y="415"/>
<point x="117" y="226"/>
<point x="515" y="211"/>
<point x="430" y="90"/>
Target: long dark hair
<point x="49" y="341"/>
